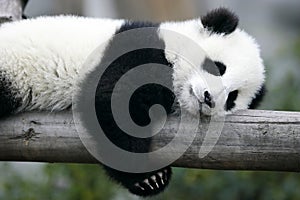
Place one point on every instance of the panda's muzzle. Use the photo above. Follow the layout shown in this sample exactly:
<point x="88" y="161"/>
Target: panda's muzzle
<point x="203" y="98"/>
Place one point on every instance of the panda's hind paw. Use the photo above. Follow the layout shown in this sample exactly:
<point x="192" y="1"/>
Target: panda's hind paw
<point x="152" y="185"/>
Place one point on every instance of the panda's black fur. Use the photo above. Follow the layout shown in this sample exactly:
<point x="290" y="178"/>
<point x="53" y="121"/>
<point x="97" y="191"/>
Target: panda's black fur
<point x="139" y="105"/>
<point x="8" y="99"/>
<point x="220" y="21"/>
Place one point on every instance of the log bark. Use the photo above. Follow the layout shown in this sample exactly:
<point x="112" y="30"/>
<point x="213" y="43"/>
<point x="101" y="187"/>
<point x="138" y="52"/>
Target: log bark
<point x="250" y="140"/>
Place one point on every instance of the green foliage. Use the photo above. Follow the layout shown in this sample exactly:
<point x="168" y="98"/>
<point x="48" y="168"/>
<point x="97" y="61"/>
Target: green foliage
<point x="284" y="94"/>
<point x="284" y="90"/>
<point x="60" y="182"/>
<point x="222" y="185"/>
<point x="297" y="49"/>
<point x="78" y="182"/>
<point x="88" y="182"/>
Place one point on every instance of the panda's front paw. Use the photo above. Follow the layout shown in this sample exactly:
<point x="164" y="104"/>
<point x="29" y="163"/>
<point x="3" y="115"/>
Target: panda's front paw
<point x="152" y="185"/>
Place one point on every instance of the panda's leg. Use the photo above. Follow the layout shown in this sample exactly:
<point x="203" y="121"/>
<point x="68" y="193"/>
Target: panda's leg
<point x="142" y="184"/>
<point x="9" y="101"/>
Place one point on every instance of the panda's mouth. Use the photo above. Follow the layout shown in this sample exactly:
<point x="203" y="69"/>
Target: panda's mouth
<point x="205" y="109"/>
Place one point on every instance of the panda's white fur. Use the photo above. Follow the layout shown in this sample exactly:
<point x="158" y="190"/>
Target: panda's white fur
<point x="44" y="55"/>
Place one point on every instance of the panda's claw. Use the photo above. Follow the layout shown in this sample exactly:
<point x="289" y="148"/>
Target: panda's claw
<point x="160" y="177"/>
<point x="154" y="179"/>
<point x="146" y="181"/>
<point x="165" y="175"/>
<point x="160" y="174"/>
<point x="138" y="186"/>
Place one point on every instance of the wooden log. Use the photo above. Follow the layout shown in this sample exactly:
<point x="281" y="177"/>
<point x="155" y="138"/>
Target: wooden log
<point x="250" y="140"/>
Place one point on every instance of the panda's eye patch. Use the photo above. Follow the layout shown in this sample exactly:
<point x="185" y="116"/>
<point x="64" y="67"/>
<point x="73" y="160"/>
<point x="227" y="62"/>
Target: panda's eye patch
<point x="215" y="68"/>
<point x="232" y="96"/>
<point x="221" y="67"/>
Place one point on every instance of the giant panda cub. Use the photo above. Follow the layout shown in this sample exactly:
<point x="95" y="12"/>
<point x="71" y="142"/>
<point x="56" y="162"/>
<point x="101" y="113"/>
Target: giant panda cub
<point x="41" y="59"/>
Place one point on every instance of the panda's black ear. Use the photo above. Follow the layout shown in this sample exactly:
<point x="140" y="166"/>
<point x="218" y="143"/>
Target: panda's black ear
<point x="220" y="20"/>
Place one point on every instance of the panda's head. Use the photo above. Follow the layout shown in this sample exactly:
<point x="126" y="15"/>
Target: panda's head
<point x="232" y="58"/>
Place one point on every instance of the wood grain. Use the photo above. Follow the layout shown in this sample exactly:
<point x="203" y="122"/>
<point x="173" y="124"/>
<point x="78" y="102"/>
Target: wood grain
<point x="250" y="140"/>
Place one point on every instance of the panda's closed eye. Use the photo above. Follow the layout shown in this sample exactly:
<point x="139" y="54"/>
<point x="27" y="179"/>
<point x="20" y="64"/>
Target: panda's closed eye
<point x="214" y="67"/>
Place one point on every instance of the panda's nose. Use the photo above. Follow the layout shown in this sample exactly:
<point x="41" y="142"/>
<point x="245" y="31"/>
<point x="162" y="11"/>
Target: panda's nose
<point x="208" y="100"/>
<point x="203" y="98"/>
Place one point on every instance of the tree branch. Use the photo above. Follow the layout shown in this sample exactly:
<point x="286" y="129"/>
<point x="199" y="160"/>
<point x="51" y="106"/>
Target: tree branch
<point x="250" y="140"/>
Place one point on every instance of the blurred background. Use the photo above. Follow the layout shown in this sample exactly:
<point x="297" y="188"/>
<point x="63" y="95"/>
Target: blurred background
<point x="276" y="26"/>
